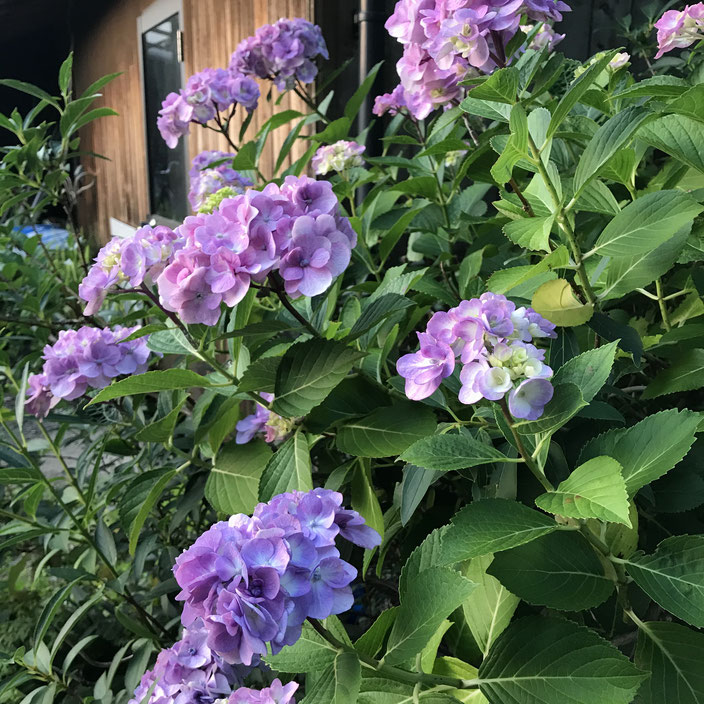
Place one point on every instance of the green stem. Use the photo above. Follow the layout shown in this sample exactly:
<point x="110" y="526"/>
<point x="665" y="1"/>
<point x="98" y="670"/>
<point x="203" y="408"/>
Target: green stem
<point x="537" y="473"/>
<point x="663" y="308"/>
<point x="565" y="226"/>
<point x="277" y="288"/>
<point x="394" y="673"/>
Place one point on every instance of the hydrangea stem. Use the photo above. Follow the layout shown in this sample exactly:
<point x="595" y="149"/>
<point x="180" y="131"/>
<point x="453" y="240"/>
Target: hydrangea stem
<point x="537" y="473"/>
<point x="395" y="673"/>
<point x="277" y="288"/>
<point x="663" y="307"/>
<point x="565" y="226"/>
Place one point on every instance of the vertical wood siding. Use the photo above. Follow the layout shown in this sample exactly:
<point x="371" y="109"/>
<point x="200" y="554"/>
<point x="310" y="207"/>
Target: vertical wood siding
<point x="212" y="29"/>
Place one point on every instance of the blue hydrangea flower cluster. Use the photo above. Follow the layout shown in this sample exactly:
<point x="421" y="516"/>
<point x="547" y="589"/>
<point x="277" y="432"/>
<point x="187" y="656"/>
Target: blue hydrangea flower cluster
<point x="209" y="173"/>
<point x="253" y="581"/>
<point x="83" y="359"/>
<point x="493" y="341"/>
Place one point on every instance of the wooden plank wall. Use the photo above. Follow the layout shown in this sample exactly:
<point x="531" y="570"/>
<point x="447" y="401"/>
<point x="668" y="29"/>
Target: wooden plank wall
<point x="212" y="30"/>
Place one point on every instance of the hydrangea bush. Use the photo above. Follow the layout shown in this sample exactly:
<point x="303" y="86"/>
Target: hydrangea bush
<point x="424" y="428"/>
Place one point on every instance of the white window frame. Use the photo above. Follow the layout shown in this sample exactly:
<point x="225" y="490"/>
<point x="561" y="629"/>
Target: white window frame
<point x="151" y="16"/>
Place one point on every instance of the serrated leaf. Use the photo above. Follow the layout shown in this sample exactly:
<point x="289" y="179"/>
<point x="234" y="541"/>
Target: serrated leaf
<point x="260" y="375"/>
<point x="150" y="382"/>
<point x="492" y="525"/>
<point x="530" y="233"/>
<point x="372" y="640"/>
<point x="387" y="431"/>
<point x="614" y="134"/>
<point x="673" y="576"/>
<point x="560" y="570"/>
<point x="673" y="654"/>
<point x="289" y="469"/>
<point x="646" y="223"/>
<point x="162" y="429"/>
<point x="556" y="301"/>
<point x="505" y="280"/>
<point x="430" y="598"/>
<point x="596" y="489"/>
<point x="678" y="136"/>
<point x="489" y="608"/>
<point x="447" y="452"/>
<point x="377" y="311"/>
<point x="575" y="92"/>
<point x="649" y="449"/>
<point x="233" y="482"/>
<point x="685" y="374"/>
<point x="339" y="683"/>
<point x="551" y="661"/>
<point x="310" y="653"/>
<point x="308" y="372"/>
<point x="588" y="371"/>
<point x="500" y="87"/>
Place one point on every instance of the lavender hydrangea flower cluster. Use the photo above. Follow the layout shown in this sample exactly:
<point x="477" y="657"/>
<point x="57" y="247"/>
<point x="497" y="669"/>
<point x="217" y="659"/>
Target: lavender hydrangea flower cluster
<point x="282" y="52"/>
<point x="493" y="340"/>
<point x="207" y="93"/>
<point x="678" y="29"/>
<point x="206" y="179"/>
<point x="295" y="228"/>
<point x="262" y="421"/>
<point x="133" y="260"/>
<point x="340" y="156"/>
<point x="188" y="672"/>
<point x="446" y="41"/>
<point x="254" y="580"/>
<point x="277" y="693"/>
<point x="83" y="359"/>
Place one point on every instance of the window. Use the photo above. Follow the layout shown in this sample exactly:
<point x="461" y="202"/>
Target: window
<point x="160" y="36"/>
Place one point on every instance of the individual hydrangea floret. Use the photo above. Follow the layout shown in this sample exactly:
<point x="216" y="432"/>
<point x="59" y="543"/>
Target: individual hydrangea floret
<point x="276" y="693"/>
<point x="207" y="93"/>
<point x="392" y="102"/>
<point x="678" y="29"/>
<point x="283" y="52"/>
<point x="254" y="580"/>
<point x="493" y="341"/>
<point x="545" y="37"/>
<point x="88" y="358"/>
<point x="132" y="260"/>
<point x="262" y="422"/>
<point x="340" y="156"/>
<point x="206" y="179"/>
<point x="188" y="672"/>
<point x="448" y="41"/>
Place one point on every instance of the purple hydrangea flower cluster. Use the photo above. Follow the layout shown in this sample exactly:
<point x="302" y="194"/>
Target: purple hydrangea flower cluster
<point x="340" y="156"/>
<point x="83" y="359"/>
<point x="188" y="672"/>
<point x="206" y="179"/>
<point x="254" y="580"/>
<point x="282" y="52"/>
<point x="296" y="228"/>
<point x="277" y="693"/>
<point x="445" y="41"/>
<point x="207" y="93"/>
<point x="134" y="260"/>
<point x="678" y="29"/>
<point x="262" y="421"/>
<point x="493" y="340"/>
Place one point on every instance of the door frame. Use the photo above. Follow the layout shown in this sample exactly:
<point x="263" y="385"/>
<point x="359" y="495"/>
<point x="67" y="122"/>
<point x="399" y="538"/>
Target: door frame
<point x="158" y="11"/>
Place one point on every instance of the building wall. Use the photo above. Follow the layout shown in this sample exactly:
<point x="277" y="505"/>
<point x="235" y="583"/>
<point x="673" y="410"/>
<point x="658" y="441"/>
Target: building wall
<point x="212" y="29"/>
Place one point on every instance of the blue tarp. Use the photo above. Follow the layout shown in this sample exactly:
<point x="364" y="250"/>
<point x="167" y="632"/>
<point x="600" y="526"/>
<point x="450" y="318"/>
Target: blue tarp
<point x="52" y="237"/>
